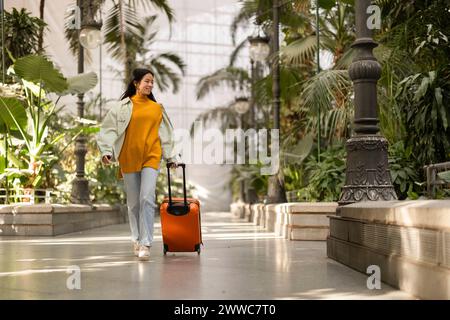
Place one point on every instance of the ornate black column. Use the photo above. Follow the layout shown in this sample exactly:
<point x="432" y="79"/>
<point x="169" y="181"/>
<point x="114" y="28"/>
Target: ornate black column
<point x="276" y="192"/>
<point x="367" y="175"/>
<point x="80" y="185"/>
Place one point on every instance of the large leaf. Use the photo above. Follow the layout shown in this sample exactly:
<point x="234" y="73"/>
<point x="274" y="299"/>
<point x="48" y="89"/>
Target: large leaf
<point x="445" y="175"/>
<point x="81" y="83"/>
<point x="34" y="88"/>
<point x="300" y="51"/>
<point x="298" y="153"/>
<point x="321" y="89"/>
<point x="12" y="115"/>
<point x="41" y="71"/>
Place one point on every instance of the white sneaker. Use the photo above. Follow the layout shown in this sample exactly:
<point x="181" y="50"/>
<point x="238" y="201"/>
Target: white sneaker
<point x="144" y="253"/>
<point x="136" y="248"/>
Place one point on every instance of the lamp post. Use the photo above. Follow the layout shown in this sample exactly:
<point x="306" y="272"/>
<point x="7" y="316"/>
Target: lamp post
<point x="259" y="52"/>
<point x="2" y="18"/>
<point x="276" y="193"/>
<point x="367" y="174"/>
<point x="259" y="48"/>
<point x="89" y="38"/>
<point x="241" y="106"/>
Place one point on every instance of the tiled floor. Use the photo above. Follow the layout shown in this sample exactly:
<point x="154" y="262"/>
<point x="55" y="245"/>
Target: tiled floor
<point x="238" y="261"/>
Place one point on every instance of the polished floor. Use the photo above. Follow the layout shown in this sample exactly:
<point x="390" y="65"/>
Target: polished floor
<point x="238" y="261"/>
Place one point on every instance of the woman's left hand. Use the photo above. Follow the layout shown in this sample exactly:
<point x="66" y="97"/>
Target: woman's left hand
<point x="173" y="165"/>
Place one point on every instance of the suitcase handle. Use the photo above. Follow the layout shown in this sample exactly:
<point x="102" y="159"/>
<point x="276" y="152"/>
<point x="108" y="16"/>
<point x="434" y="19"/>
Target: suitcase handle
<point x="177" y="209"/>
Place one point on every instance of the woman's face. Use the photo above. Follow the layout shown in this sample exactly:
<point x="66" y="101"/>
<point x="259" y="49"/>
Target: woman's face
<point x="145" y="86"/>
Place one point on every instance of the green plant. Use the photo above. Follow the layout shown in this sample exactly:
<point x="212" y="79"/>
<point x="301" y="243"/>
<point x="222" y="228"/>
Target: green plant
<point x="420" y="30"/>
<point x="425" y="99"/>
<point x="251" y="175"/>
<point x="25" y="118"/>
<point x="21" y="34"/>
<point x="324" y="179"/>
<point x="404" y="171"/>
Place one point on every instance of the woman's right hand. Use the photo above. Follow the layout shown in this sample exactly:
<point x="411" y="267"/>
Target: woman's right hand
<point x="106" y="159"/>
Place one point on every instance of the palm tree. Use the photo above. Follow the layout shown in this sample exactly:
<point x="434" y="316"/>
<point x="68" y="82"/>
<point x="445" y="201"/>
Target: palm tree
<point x="166" y="66"/>
<point x="232" y="77"/>
<point x="41" y="30"/>
<point x="122" y="20"/>
<point x="22" y="34"/>
<point x="336" y="36"/>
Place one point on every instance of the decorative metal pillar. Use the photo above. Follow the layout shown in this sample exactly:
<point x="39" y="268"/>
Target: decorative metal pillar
<point x="276" y="193"/>
<point x="367" y="175"/>
<point x="250" y="193"/>
<point x="2" y="18"/>
<point x="80" y="185"/>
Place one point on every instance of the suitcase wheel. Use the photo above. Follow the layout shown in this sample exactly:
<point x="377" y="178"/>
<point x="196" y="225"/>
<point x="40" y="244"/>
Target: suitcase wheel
<point x="197" y="248"/>
<point x="166" y="248"/>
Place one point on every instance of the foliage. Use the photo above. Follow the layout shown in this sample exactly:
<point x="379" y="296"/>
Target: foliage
<point x="166" y="66"/>
<point x="26" y="116"/>
<point x="324" y="179"/>
<point x="235" y="78"/>
<point x="123" y="31"/>
<point x="104" y="184"/>
<point x="425" y="99"/>
<point x="420" y="31"/>
<point x="403" y="168"/>
<point x="251" y="175"/>
<point x="21" y="34"/>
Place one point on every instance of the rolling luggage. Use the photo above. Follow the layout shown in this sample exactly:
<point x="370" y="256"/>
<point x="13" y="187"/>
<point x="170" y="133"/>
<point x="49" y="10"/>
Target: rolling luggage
<point x="180" y="221"/>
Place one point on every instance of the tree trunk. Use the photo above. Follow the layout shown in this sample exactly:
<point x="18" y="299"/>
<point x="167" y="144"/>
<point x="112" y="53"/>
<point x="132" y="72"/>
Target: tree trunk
<point x="41" y="31"/>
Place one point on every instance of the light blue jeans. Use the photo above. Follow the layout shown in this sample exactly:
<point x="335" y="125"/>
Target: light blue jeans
<point x="140" y="188"/>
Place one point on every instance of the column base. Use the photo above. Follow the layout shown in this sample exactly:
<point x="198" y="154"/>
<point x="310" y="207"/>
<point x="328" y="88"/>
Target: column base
<point x="80" y="191"/>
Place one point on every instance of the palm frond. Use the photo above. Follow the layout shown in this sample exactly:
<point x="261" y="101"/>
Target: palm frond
<point x="236" y="51"/>
<point x="325" y="87"/>
<point x="127" y="27"/>
<point x="166" y="66"/>
<point x="335" y="123"/>
<point x="346" y="59"/>
<point x="248" y="11"/>
<point x="173" y="59"/>
<point x="235" y="78"/>
<point x="164" y="75"/>
<point x="162" y="5"/>
<point x="224" y="115"/>
<point x="300" y="51"/>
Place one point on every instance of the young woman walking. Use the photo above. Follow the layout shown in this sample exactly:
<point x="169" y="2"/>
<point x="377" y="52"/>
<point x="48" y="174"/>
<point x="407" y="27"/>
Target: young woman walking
<point x="138" y="134"/>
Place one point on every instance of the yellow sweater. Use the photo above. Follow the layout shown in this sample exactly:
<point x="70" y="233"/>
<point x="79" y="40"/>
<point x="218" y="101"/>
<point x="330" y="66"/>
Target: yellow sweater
<point x="142" y="147"/>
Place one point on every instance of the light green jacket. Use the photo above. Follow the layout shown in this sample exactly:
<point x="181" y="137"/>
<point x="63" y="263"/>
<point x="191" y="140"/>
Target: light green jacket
<point x="112" y="132"/>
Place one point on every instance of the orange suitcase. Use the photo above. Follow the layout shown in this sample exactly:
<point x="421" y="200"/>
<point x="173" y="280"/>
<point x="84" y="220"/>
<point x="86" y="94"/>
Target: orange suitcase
<point x="180" y="221"/>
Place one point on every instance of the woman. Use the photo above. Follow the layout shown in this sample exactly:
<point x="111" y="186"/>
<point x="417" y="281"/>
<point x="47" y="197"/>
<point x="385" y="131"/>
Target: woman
<point x="137" y="134"/>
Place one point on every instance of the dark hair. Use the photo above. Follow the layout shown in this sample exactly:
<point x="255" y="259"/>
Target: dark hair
<point x="138" y="74"/>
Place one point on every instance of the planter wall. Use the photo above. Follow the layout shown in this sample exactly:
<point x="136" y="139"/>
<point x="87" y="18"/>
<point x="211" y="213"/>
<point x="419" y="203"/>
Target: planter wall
<point x="293" y="221"/>
<point x="54" y="219"/>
